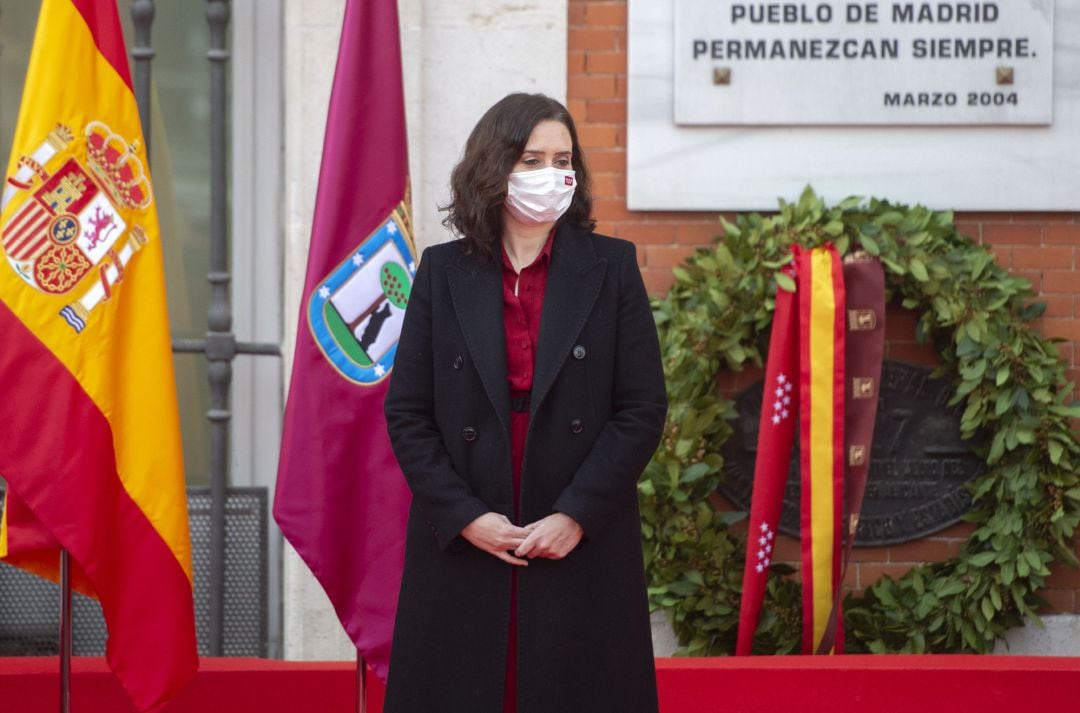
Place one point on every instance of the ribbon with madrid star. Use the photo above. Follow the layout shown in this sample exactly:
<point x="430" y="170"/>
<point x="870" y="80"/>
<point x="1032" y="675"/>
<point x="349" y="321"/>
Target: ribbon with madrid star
<point x="776" y="431"/>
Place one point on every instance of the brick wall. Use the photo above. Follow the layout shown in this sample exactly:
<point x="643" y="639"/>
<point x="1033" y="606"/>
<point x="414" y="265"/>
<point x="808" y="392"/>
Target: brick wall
<point x="1043" y="247"/>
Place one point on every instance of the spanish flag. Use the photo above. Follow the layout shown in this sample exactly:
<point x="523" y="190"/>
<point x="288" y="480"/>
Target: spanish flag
<point x="91" y="445"/>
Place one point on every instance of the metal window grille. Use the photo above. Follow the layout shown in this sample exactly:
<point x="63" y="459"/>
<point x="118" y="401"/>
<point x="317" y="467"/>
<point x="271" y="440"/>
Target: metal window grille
<point x="28" y="617"/>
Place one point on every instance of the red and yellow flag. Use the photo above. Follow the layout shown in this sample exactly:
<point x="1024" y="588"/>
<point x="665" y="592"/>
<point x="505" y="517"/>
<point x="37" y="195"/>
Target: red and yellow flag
<point x="91" y="444"/>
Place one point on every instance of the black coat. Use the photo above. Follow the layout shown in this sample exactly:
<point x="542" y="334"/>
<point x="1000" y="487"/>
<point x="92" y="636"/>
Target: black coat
<point x="596" y="415"/>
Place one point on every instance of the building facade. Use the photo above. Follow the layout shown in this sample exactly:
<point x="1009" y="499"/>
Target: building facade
<point x="459" y="58"/>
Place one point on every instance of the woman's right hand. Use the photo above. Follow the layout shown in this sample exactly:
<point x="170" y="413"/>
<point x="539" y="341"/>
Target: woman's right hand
<point x="495" y="534"/>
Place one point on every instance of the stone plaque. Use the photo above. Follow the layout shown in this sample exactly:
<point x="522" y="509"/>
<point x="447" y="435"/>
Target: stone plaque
<point x="918" y="465"/>
<point x="730" y="166"/>
<point x="842" y="62"/>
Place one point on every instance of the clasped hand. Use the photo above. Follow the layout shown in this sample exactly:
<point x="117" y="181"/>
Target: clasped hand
<point x="552" y="537"/>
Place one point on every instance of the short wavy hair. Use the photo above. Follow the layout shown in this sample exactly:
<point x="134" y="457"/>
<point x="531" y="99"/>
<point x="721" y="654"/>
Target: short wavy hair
<point x="478" y="182"/>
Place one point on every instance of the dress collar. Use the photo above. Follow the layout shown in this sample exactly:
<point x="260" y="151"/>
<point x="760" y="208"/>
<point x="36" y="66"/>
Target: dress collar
<point x="545" y="254"/>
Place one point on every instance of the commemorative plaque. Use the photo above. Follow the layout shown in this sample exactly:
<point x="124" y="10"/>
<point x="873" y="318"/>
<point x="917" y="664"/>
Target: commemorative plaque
<point x="918" y="469"/>
<point x="841" y="62"/>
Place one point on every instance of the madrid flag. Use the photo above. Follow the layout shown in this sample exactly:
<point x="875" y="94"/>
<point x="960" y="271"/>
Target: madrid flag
<point x="341" y="500"/>
<point x="91" y="444"/>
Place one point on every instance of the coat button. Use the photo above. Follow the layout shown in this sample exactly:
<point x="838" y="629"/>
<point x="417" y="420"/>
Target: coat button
<point x="575" y="426"/>
<point x="458" y="362"/>
<point x="579" y="352"/>
<point x="469" y="434"/>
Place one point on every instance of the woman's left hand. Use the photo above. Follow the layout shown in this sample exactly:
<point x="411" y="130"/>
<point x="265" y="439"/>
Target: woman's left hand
<point x="553" y="537"/>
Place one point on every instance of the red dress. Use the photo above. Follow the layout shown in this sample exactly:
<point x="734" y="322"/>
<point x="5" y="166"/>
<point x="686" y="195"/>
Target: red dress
<point x="523" y="298"/>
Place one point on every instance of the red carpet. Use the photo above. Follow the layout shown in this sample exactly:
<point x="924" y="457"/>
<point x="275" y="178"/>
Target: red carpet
<point x="882" y="684"/>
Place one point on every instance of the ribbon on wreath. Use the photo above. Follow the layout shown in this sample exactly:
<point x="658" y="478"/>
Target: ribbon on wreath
<point x="824" y="368"/>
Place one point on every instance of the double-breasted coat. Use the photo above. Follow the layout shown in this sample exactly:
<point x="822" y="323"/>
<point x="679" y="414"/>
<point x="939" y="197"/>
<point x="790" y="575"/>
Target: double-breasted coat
<point x="597" y="410"/>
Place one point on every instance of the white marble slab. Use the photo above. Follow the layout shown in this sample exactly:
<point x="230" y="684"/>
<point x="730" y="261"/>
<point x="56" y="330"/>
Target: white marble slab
<point x="986" y="168"/>
<point x="1057" y="635"/>
<point x="885" y="63"/>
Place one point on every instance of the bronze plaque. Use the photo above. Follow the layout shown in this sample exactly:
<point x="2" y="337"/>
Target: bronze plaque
<point x="918" y="464"/>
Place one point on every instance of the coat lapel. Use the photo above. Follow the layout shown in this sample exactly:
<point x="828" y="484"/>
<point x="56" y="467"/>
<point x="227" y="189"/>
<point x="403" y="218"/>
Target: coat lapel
<point x="574" y="280"/>
<point x="476" y="291"/>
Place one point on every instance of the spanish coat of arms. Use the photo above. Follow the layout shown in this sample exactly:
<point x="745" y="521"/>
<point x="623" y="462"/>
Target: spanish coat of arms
<point x="65" y="232"/>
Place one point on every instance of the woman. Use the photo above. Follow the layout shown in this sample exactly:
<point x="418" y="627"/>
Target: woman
<point x="526" y="398"/>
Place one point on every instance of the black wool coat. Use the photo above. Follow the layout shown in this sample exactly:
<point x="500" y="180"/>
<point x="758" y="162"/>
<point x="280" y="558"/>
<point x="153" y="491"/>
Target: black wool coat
<point x="597" y="411"/>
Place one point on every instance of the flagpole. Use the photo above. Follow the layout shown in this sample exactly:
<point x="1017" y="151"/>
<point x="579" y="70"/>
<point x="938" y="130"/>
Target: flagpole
<point x="361" y="683"/>
<point x="65" y="631"/>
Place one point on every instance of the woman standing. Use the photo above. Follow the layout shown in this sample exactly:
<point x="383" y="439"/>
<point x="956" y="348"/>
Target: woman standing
<point x="526" y="398"/>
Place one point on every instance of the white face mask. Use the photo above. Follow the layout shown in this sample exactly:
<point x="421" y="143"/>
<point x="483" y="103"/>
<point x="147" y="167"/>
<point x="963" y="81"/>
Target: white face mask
<point x="540" y="196"/>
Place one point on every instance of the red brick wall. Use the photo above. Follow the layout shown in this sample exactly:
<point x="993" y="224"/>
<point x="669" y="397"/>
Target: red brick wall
<point x="1044" y="247"/>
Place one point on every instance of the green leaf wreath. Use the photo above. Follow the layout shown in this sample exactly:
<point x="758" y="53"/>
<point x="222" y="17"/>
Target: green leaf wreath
<point x="1017" y="415"/>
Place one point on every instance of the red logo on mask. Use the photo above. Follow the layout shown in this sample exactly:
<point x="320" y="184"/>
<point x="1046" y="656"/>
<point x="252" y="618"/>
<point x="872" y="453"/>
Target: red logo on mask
<point x="569" y="180"/>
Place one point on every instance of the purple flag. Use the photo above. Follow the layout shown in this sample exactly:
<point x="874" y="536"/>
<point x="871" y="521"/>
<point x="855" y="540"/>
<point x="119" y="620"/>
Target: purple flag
<point x="341" y="500"/>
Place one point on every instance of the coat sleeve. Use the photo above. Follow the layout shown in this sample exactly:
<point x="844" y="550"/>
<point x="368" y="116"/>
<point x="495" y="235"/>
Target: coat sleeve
<point x="627" y="441"/>
<point x="443" y="496"/>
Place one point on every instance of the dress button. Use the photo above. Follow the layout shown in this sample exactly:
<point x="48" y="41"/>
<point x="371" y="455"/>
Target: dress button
<point x="458" y="362"/>
<point x="575" y="426"/>
<point x="579" y="352"/>
<point x="469" y="434"/>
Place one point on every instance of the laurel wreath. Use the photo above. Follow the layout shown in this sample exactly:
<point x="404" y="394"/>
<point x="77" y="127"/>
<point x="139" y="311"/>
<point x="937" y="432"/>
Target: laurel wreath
<point x="1017" y="415"/>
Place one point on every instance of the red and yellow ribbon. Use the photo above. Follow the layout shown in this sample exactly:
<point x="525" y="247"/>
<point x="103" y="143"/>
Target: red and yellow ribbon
<point x="804" y="385"/>
<point x="821" y="374"/>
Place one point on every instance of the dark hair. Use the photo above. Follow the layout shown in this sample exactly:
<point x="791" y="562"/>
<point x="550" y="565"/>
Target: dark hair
<point x="478" y="182"/>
